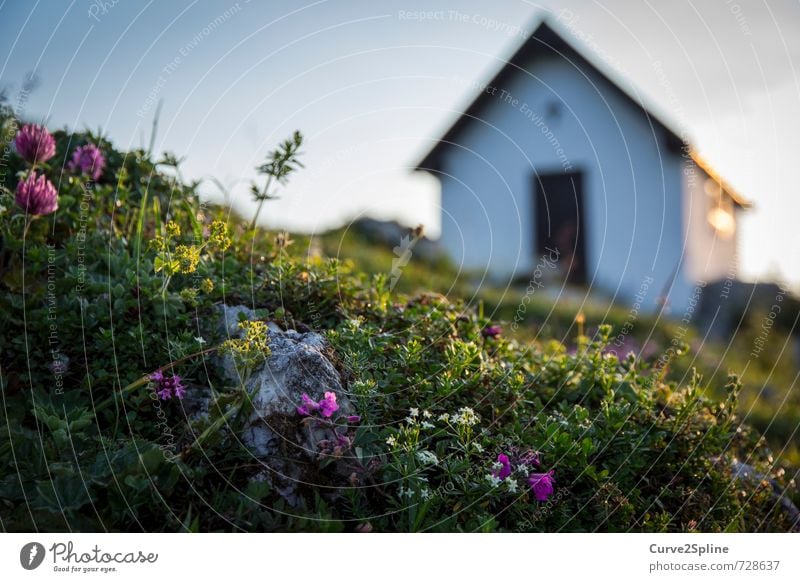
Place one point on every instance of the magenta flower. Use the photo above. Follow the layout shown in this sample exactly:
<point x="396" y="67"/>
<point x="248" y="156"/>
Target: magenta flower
<point x="37" y="195"/>
<point x="327" y="406"/>
<point x="541" y="485"/>
<point x="167" y="388"/>
<point x="35" y="144"/>
<point x="505" y="467"/>
<point x="492" y="331"/>
<point x="88" y="160"/>
<point x="308" y="406"/>
<point x="353" y="419"/>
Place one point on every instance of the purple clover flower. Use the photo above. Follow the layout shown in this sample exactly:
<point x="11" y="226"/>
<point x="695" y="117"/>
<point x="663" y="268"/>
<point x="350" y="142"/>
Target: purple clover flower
<point x="328" y="405"/>
<point x="35" y="144"/>
<point x="88" y="160"/>
<point x="308" y="407"/>
<point x="167" y="388"/>
<point x="541" y="485"/>
<point x="492" y="331"/>
<point x="505" y="467"/>
<point x="37" y="195"/>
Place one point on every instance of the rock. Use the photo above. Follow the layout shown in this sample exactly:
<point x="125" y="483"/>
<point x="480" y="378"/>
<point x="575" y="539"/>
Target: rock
<point x="274" y="432"/>
<point x="745" y="472"/>
<point x="229" y="326"/>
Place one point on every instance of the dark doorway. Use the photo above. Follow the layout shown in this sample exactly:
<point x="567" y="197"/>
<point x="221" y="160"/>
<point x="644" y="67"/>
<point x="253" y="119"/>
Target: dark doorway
<point x="560" y="224"/>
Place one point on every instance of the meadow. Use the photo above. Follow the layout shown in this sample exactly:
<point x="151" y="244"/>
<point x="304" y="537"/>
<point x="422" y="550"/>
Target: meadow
<point x="113" y="274"/>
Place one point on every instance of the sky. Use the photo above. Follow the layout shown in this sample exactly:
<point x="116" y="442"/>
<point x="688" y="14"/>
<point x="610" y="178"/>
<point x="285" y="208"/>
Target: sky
<point x="373" y="84"/>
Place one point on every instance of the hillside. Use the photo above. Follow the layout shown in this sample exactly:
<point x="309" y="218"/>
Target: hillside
<point x="166" y="367"/>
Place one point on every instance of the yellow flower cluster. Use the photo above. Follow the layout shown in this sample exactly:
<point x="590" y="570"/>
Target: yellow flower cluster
<point x="253" y="348"/>
<point x="188" y="257"/>
<point x="173" y="229"/>
<point x="219" y="236"/>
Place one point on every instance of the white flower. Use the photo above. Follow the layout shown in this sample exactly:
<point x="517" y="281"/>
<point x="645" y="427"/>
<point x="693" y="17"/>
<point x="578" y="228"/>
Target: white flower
<point x="465" y="417"/>
<point x="426" y="414"/>
<point x="425" y="493"/>
<point x="414" y="412"/>
<point x="200" y="340"/>
<point x="478" y="447"/>
<point x="391" y="441"/>
<point x="523" y="470"/>
<point x="444" y="417"/>
<point x="427" y="458"/>
<point x="493" y="480"/>
<point x="426" y="424"/>
<point x="512" y="485"/>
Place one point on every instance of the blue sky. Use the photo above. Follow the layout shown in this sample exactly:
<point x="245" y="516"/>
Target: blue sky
<point x="372" y="84"/>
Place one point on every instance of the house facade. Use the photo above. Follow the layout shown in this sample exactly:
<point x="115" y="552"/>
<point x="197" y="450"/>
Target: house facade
<point x="553" y="158"/>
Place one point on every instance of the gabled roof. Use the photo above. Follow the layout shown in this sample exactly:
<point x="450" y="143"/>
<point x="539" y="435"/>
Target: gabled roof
<point x="547" y="40"/>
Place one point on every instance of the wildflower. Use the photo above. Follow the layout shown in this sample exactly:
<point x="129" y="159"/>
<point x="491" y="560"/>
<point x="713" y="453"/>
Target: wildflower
<point x="189" y="295"/>
<point x="541" y="485"/>
<point x="37" y="195"/>
<point x="88" y="160"/>
<point x="173" y="229"/>
<point x="35" y="144"/>
<point x="426" y="414"/>
<point x="353" y="419"/>
<point x="307" y="407"/>
<point x="444" y="417"/>
<point x="502" y="467"/>
<point x="167" y="387"/>
<point x="413" y="412"/>
<point x="427" y="458"/>
<point x="492" y="331"/>
<point x="523" y="470"/>
<point x="283" y="240"/>
<point x="157" y="243"/>
<point x="491" y="478"/>
<point x="188" y="257"/>
<point x="512" y="485"/>
<point x="219" y="235"/>
<point x="200" y="340"/>
<point x="207" y="285"/>
<point x="253" y="348"/>
<point x="425" y="493"/>
<point x="327" y="406"/>
<point x="391" y="441"/>
<point x="427" y="425"/>
<point x="465" y="417"/>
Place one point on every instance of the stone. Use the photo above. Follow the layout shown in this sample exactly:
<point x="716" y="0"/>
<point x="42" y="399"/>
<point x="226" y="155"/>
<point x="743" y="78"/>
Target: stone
<point x="275" y="434"/>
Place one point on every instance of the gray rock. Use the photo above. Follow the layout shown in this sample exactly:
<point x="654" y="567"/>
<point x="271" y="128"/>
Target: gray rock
<point x="275" y="434"/>
<point x="229" y="324"/>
